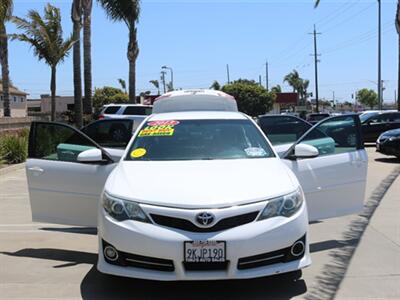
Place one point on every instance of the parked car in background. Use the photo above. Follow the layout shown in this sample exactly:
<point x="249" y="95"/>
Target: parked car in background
<point x="282" y="130"/>
<point x="389" y="143"/>
<point x="376" y="123"/>
<point x="136" y="112"/>
<point x="315" y="118"/>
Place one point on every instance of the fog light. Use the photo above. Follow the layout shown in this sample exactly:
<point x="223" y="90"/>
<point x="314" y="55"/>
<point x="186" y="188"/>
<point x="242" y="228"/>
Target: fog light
<point x="111" y="253"/>
<point x="297" y="249"/>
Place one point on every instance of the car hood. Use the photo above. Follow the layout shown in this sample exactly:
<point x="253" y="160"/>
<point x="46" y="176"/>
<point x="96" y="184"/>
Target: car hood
<point x="201" y="184"/>
<point x="390" y="133"/>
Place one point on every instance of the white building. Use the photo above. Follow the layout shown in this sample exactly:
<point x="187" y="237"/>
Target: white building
<point x="18" y="103"/>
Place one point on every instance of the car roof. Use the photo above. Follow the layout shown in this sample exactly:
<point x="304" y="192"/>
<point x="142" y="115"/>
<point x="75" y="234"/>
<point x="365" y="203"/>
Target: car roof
<point x="195" y="100"/>
<point x="129" y="104"/>
<point x="198" y="115"/>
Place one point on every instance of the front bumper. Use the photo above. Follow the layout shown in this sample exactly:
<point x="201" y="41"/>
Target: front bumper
<point x="166" y="245"/>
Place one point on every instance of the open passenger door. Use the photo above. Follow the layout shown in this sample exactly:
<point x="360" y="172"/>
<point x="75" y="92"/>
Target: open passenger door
<point x="333" y="182"/>
<point x="64" y="184"/>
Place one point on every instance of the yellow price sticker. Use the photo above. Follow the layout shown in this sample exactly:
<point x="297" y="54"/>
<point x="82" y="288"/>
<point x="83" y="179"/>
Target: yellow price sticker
<point x="139" y="152"/>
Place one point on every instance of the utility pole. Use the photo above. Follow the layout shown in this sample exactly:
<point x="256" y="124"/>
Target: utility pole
<point x="227" y="73"/>
<point x="398" y="75"/>
<point x="163" y="79"/>
<point x="379" y="56"/>
<point x="266" y="76"/>
<point x="315" y="33"/>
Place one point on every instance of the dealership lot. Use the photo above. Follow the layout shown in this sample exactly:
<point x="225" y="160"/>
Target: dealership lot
<point x="353" y="257"/>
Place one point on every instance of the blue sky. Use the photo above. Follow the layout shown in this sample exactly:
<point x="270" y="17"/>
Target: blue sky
<point x="197" y="38"/>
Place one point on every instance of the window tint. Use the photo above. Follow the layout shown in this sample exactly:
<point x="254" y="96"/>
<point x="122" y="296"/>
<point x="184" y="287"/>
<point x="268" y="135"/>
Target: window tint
<point x="137" y="110"/>
<point x="112" y="109"/>
<point x="57" y="142"/>
<point x="395" y="117"/>
<point x="334" y="136"/>
<point x="199" y="140"/>
<point x="283" y="130"/>
<point x="110" y="133"/>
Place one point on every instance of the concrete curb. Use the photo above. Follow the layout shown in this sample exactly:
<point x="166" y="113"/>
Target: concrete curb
<point x="11" y="168"/>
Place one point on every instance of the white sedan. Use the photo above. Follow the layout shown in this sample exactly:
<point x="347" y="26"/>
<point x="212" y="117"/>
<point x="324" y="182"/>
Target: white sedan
<point x="197" y="195"/>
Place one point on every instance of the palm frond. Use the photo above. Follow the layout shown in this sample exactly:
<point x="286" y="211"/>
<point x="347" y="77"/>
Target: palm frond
<point x="127" y="11"/>
<point x="44" y="34"/>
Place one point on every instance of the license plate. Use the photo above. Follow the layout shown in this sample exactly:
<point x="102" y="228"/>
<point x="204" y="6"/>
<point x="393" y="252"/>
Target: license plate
<point x="205" y="251"/>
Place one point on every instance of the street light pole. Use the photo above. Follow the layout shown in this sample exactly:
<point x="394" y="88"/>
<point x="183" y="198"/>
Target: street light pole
<point x="379" y="56"/>
<point x="172" y="75"/>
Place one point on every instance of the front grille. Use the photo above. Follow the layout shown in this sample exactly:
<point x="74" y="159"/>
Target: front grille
<point x="270" y="258"/>
<point x="187" y="225"/>
<point x="139" y="261"/>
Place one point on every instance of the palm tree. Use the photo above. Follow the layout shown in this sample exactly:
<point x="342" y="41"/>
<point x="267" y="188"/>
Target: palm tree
<point x="45" y="35"/>
<point x="127" y="11"/>
<point x="122" y="83"/>
<point x="76" y="17"/>
<point x="87" y="56"/>
<point x="6" y="7"/>
<point x="293" y="79"/>
<point x="156" y="84"/>
<point x="276" y="89"/>
<point x="215" y="85"/>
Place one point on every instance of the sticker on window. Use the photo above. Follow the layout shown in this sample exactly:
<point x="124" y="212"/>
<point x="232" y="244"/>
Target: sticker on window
<point x="255" y="152"/>
<point x="139" y="152"/>
<point x="159" y="128"/>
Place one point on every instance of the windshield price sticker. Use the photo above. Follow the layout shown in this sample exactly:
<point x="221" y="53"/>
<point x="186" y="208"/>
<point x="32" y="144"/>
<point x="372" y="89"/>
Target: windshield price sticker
<point x="159" y="128"/>
<point x="139" y="152"/>
<point x="205" y="251"/>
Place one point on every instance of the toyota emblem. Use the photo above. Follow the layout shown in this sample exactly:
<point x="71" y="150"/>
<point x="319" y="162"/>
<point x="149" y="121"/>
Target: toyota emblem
<point x="205" y="218"/>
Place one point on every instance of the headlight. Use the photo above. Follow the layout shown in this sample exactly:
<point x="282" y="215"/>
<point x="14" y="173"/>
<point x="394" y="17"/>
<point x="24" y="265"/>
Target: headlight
<point x="285" y="206"/>
<point x="394" y="138"/>
<point x="122" y="210"/>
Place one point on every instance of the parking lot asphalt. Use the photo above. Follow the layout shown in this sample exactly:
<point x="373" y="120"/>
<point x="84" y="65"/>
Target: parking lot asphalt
<point x="354" y="257"/>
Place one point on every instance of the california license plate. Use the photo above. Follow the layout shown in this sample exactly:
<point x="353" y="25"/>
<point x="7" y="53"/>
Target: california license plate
<point x="205" y="251"/>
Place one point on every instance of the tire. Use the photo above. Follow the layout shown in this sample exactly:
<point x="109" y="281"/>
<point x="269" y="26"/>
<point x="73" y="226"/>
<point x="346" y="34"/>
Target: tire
<point x="294" y="275"/>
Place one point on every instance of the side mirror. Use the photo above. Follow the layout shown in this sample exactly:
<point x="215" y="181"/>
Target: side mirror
<point x="91" y="155"/>
<point x="305" y="151"/>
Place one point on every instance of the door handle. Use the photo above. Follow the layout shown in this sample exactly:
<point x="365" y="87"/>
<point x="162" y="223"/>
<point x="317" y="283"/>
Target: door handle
<point x="37" y="170"/>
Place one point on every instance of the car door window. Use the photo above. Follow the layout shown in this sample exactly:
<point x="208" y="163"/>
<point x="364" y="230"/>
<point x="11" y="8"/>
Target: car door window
<point x="110" y="133"/>
<point x="283" y="129"/>
<point x="112" y="110"/>
<point x="56" y="141"/>
<point x="335" y="135"/>
<point x="137" y="110"/>
<point x="395" y="118"/>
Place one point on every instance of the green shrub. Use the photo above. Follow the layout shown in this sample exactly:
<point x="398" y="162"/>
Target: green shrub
<point x="14" y="148"/>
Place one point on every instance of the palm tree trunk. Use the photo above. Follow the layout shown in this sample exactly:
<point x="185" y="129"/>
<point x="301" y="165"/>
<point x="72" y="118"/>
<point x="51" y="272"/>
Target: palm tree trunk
<point x="87" y="56"/>
<point x="77" y="72"/>
<point x="53" y="92"/>
<point x="5" y="70"/>
<point x="133" y="51"/>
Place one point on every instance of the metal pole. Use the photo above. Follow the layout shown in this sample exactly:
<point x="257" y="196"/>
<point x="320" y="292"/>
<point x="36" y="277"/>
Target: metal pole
<point x="172" y="75"/>
<point x="316" y="69"/>
<point x="227" y="72"/>
<point x="379" y="57"/>
<point x="163" y="80"/>
<point x="266" y="76"/>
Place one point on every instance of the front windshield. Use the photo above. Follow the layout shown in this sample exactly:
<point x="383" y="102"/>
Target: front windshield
<point x="198" y="140"/>
<point x="365" y="116"/>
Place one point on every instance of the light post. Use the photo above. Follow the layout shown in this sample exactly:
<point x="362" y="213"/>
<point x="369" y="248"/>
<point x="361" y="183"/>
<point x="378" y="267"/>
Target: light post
<point x="172" y="75"/>
<point x="379" y="56"/>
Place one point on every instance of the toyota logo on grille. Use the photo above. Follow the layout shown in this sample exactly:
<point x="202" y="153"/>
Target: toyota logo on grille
<point x="205" y="218"/>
